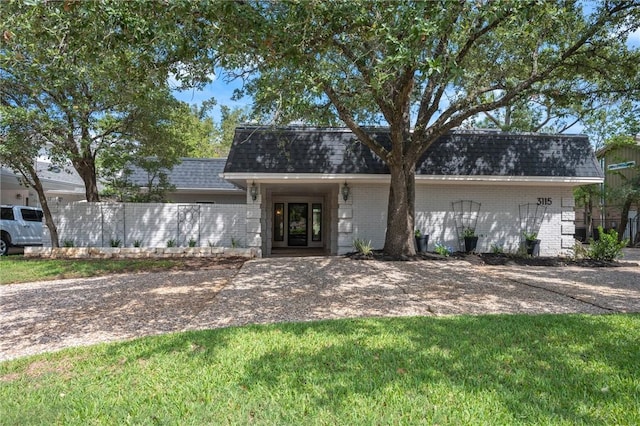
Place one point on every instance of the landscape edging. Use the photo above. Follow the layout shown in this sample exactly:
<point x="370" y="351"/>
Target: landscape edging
<point x="138" y="252"/>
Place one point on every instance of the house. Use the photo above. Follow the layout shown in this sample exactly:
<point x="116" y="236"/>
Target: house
<point x="195" y="180"/>
<point x="60" y="186"/>
<point x="621" y="165"/>
<point x="318" y="189"/>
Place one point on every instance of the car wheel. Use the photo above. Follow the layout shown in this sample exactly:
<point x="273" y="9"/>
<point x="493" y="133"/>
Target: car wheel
<point x="4" y="246"/>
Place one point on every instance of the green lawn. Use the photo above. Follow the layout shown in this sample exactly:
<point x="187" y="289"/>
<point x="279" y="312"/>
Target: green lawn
<point x="547" y="369"/>
<point x="17" y="269"/>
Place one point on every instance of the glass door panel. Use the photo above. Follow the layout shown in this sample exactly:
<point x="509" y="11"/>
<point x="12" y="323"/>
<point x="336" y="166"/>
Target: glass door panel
<point x="298" y="217"/>
<point x="278" y="222"/>
<point x="316" y="222"/>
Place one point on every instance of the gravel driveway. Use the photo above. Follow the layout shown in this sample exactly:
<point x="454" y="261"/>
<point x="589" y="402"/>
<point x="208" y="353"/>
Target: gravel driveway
<point x="46" y="316"/>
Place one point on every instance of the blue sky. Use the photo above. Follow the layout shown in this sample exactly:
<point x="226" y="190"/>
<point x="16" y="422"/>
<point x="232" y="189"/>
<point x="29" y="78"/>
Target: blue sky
<point x="220" y="90"/>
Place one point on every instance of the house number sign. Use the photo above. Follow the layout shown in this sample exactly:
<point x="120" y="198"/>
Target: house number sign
<point x="544" y="201"/>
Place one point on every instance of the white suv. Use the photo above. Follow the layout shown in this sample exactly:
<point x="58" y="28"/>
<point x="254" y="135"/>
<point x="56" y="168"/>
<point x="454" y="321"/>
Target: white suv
<point x="19" y="226"/>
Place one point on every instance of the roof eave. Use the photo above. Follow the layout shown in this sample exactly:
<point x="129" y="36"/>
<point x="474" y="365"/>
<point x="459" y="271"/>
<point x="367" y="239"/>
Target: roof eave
<point x="242" y="178"/>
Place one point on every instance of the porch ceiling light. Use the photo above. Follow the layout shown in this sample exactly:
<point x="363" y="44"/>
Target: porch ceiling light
<point x="253" y="191"/>
<point x="345" y="191"/>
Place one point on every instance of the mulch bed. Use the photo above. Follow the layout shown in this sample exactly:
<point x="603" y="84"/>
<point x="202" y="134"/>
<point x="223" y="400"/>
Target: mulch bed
<point x="492" y="259"/>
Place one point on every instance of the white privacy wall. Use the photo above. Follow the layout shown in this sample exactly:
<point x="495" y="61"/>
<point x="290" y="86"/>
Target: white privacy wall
<point x="153" y="224"/>
<point x="498" y="220"/>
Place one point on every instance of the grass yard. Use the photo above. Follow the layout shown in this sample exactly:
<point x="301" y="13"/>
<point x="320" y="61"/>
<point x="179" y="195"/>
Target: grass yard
<point x="17" y="269"/>
<point x="501" y="369"/>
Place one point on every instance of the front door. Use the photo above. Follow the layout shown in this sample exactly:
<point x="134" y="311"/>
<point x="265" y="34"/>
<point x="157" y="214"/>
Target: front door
<point x="298" y="217"/>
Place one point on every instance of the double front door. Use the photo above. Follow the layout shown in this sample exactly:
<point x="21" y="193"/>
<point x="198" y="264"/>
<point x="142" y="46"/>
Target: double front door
<point x="297" y="224"/>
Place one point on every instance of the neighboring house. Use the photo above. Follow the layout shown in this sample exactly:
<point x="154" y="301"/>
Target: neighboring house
<point x="321" y="188"/>
<point x="60" y="186"/>
<point x="621" y="165"/>
<point x="196" y="180"/>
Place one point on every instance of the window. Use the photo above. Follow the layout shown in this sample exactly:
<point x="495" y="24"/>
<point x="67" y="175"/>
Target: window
<point x="278" y="221"/>
<point x="7" y="213"/>
<point x="31" y="215"/>
<point x="316" y="222"/>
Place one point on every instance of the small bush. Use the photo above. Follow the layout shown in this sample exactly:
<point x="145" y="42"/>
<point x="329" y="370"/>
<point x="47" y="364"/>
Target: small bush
<point x="137" y="243"/>
<point x="497" y="249"/>
<point x="443" y="250"/>
<point x="469" y="233"/>
<point x="115" y="242"/>
<point x="362" y="246"/>
<point x="579" y="251"/>
<point x="192" y="242"/>
<point x="235" y="243"/>
<point x="171" y="243"/>
<point x="68" y="243"/>
<point x="607" y="248"/>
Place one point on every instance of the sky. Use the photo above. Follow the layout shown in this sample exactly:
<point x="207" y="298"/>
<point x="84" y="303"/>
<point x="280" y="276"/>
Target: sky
<point x="222" y="91"/>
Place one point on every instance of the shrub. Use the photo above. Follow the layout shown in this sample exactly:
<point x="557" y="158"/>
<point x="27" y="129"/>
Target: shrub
<point x="137" y="243"/>
<point x="362" y="247"/>
<point x="530" y="236"/>
<point x="469" y="233"/>
<point x="579" y="251"/>
<point x="68" y="243"/>
<point x="607" y="248"/>
<point x="497" y="249"/>
<point x="114" y="242"/>
<point x="443" y="250"/>
<point x="171" y="243"/>
<point x="192" y="242"/>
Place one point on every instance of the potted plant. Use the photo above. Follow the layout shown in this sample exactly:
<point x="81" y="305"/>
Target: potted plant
<point x="531" y="242"/>
<point x="421" y="241"/>
<point x="470" y="239"/>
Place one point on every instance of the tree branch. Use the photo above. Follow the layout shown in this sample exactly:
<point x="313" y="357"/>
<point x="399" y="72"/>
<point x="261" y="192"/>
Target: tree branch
<point x="345" y="115"/>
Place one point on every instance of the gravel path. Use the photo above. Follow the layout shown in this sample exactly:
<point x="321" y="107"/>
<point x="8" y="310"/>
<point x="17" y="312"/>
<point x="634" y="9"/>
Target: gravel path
<point x="46" y="316"/>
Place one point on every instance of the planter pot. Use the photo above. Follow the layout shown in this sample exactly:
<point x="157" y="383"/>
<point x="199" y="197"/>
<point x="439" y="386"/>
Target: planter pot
<point x="421" y="243"/>
<point x="533" y="247"/>
<point x="470" y="244"/>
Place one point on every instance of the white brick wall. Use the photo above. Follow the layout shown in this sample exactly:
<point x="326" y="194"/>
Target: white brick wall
<point x="498" y="222"/>
<point x="153" y="224"/>
<point x="363" y="215"/>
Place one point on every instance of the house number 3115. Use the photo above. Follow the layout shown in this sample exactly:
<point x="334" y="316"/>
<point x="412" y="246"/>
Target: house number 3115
<point x="544" y="201"/>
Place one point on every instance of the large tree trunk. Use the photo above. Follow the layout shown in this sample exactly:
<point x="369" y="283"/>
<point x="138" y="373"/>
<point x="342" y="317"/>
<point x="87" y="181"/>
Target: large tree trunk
<point x="624" y="218"/>
<point x="86" y="168"/>
<point x="48" y="218"/>
<point x="399" y="238"/>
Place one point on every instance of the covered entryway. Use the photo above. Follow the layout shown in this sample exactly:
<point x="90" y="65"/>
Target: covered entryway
<point x="299" y="219"/>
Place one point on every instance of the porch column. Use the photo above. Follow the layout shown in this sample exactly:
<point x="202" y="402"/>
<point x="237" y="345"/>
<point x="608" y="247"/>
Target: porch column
<point x="254" y="220"/>
<point x="345" y="221"/>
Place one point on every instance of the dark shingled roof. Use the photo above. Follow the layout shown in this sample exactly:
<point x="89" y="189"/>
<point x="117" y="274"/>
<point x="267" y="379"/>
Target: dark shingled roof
<point x="472" y="152"/>
<point x="192" y="173"/>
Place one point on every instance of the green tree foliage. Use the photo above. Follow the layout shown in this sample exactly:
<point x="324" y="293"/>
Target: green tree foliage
<point x="614" y="124"/>
<point x="94" y="75"/>
<point x="229" y="120"/>
<point x="423" y="68"/>
<point x="541" y="113"/>
<point x="19" y="149"/>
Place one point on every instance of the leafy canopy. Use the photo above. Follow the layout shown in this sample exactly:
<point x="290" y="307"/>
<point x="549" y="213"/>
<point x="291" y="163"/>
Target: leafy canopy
<point x="92" y="77"/>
